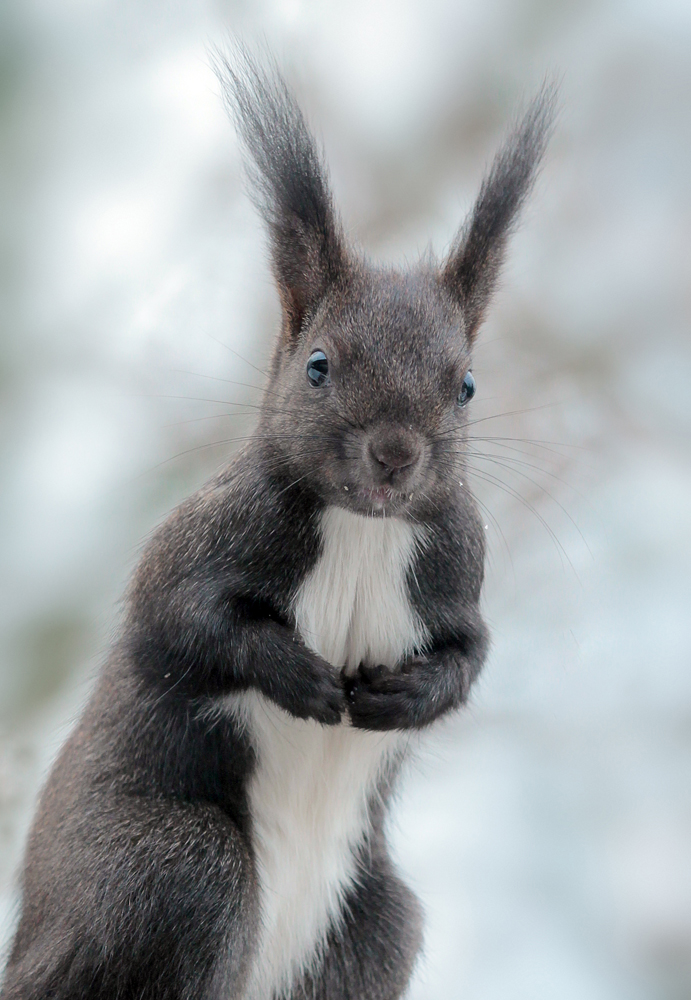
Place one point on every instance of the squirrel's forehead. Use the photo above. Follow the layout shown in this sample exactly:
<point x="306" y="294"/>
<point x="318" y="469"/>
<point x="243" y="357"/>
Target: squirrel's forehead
<point x="414" y="347"/>
<point x="403" y="318"/>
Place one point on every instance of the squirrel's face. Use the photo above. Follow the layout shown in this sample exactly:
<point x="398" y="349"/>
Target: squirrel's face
<point x="371" y="378"/>
<point x="370" y="405"/>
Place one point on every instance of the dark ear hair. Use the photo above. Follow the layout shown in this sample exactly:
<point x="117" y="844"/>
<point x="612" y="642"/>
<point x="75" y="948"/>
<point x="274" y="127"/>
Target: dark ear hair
<point x="289" y="182"/>
<point x="472" y="267"/>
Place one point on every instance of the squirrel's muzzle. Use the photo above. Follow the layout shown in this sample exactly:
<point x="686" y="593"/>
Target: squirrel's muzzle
<point x="393" y="454"/>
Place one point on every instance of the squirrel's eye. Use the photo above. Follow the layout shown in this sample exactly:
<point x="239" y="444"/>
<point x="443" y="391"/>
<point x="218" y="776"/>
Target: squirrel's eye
<point x="467" y="389"/>
<point x="318" y="368"/>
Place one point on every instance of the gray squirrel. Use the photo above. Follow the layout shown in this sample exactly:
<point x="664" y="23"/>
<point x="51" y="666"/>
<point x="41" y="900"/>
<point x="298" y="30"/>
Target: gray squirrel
<point x="213" y="828"/>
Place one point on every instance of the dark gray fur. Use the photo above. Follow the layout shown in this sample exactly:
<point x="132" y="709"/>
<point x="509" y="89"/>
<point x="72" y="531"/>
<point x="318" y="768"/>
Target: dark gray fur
<point x="139" y="878"/>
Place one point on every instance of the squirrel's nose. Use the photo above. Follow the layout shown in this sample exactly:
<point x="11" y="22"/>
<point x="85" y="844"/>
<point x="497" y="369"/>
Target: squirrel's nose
<point x="394" y="449"/>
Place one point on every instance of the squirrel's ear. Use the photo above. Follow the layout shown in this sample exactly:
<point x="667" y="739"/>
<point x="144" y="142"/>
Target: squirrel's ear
<point x="289" y="183"/>
<point x="472" y="267"/>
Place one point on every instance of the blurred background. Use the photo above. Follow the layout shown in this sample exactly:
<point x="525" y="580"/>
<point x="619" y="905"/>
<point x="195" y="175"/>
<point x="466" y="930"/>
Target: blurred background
<point x="547" y="828"/>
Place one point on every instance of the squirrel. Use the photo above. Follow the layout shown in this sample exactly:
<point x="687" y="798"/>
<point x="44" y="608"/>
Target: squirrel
<point x="214" y="826"/>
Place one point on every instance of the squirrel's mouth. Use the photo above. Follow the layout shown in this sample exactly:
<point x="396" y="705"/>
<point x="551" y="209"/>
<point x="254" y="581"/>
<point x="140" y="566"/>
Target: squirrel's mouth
<point x="382" y="494"/>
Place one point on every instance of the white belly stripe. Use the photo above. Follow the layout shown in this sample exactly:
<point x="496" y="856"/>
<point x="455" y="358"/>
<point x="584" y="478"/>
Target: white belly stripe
<point x="308" y="795"/>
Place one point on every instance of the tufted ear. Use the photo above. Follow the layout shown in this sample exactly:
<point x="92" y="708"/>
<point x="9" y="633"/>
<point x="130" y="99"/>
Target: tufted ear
<point x="471" y="270"/>
<point x="289" y="182"/>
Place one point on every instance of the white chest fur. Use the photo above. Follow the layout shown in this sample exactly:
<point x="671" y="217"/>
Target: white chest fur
<point x="308" y="795"/>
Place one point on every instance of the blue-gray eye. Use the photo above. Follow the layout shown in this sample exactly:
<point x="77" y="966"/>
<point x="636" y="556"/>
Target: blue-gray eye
<point x="318" y="368"/>
<point x="467" y="389"/>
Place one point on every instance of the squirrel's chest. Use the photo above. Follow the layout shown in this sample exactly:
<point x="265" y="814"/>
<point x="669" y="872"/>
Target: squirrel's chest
<point x="354" y="605"/>
<point x="309" y="793"/>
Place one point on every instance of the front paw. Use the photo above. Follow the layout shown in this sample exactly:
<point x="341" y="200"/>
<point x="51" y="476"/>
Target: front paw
<point x="380" y="700"/>
<point x="317" y="692"/>
<point x="297" y="679"/>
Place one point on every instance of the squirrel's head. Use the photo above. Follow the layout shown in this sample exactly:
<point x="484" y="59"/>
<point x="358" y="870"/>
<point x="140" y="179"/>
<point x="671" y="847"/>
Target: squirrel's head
<point x="371" y="381"/>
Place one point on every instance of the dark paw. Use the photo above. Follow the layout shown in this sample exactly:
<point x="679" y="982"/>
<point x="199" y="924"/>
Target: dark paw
<point x="379" y="699"/>
<point x="322" y="696"/>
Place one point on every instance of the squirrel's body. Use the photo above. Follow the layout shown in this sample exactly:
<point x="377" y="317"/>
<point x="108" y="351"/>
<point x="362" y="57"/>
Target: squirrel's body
<point x="213" y="829"/>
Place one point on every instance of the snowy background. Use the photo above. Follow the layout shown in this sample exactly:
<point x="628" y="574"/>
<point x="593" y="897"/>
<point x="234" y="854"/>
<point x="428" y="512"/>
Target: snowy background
<point x="548" y="827"/>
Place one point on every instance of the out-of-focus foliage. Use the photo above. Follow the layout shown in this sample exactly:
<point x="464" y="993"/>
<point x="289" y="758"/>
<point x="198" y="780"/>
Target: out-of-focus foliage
<point x="548" y="827"/>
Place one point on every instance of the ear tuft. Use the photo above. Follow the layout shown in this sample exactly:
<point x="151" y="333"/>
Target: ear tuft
<point x="472" y="267"/>
<point x="288" y="180"/>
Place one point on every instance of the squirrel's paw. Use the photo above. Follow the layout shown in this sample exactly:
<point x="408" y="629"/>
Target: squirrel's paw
<point x="379" y="699"/>
<point x="318" y="692"/>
